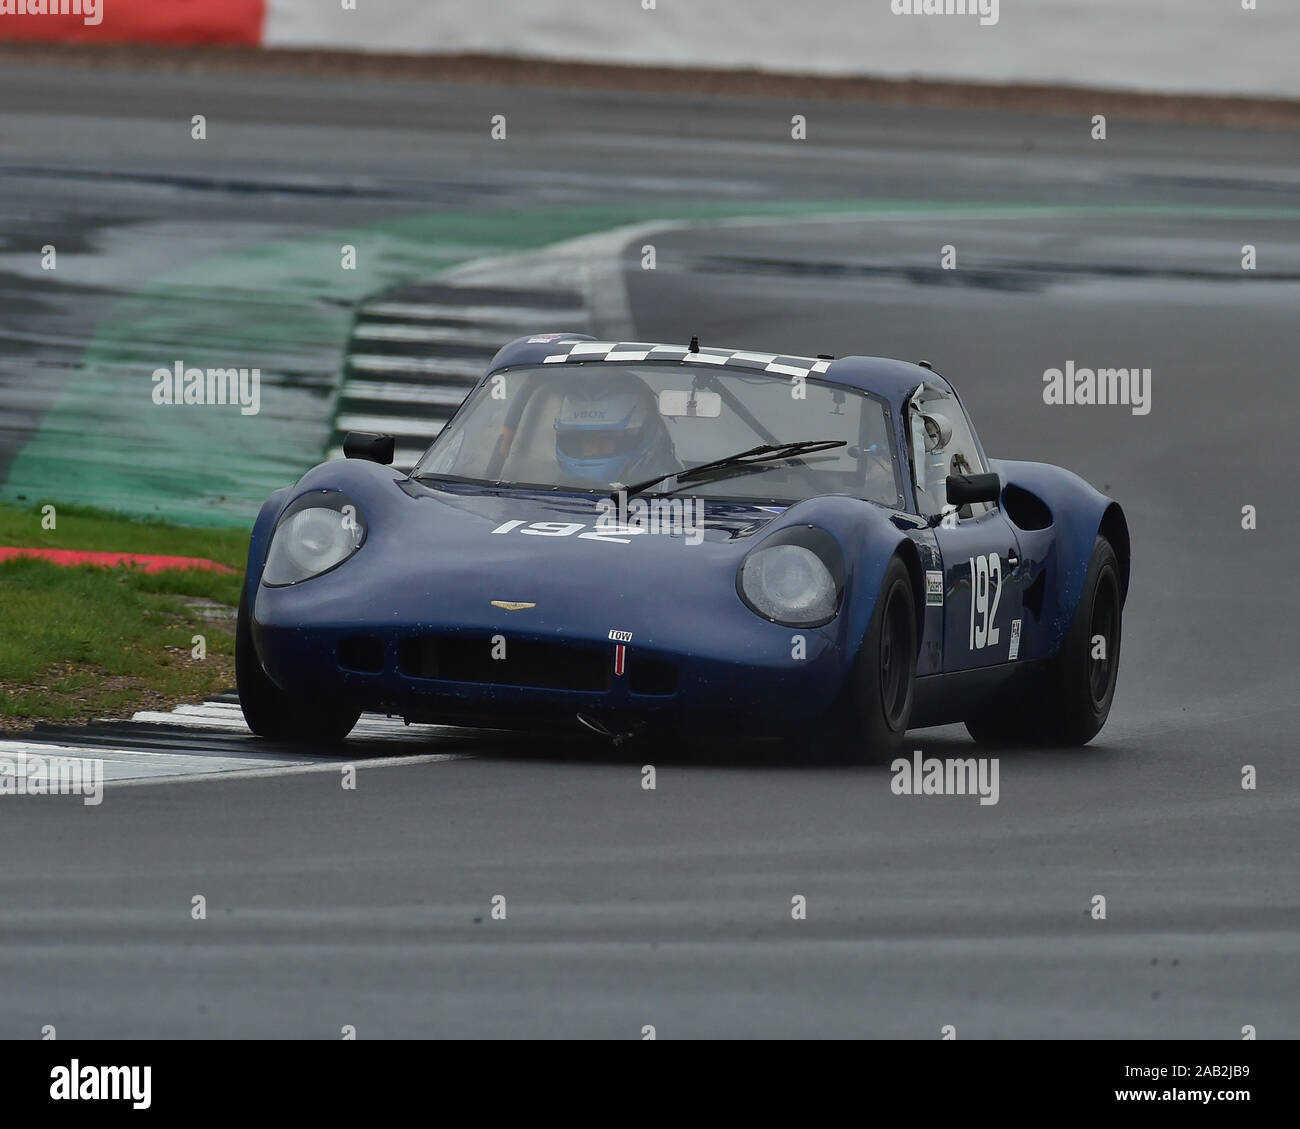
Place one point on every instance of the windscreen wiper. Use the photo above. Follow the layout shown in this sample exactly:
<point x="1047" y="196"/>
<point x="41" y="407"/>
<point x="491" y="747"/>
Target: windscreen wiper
<point x="755" y="456"/>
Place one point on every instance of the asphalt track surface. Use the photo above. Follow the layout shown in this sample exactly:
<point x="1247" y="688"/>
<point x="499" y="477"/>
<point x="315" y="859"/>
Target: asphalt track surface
<point x="672" y="907"/>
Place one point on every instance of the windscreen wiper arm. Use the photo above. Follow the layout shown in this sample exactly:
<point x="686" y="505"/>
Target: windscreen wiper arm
<point x="764" y="453"/>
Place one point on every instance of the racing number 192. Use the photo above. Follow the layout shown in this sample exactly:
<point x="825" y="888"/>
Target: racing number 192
<point x="985" y="573"/>
<point x="569" y="528"/>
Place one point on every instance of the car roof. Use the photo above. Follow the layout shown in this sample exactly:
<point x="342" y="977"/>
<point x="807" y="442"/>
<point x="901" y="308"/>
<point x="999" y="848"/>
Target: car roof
<point x="894" y="380"/>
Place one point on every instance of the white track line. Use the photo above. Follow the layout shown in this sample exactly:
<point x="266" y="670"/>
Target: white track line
<point x="408" y="427"/>
<point x="126" y="764"/>
<point x="293" y="769"/>
<point x="228" y="718"/>
<point x="148" y="767"/>
<point x="229" y="725"/>
<point x="100" y="752"/>
<point x="467" y="368"/>
<point x="440" y="396"/>
<point x="129" y="764"/>
<point x="497" y="315"/>
<point x="432" y="334"/>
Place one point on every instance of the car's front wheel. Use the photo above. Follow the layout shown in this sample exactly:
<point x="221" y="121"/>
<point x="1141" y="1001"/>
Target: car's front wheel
<point x="885" y="674"/>
<point x="275" y="714"/>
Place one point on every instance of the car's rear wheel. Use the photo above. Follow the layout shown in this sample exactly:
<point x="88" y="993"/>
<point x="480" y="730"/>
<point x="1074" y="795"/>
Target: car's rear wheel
<point x="271" y="712"/>
<point x="885" y="673"/>
<point x="1070" y="703"/>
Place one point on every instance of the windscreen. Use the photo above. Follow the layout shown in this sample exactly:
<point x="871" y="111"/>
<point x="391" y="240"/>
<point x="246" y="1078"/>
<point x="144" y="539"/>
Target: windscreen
<point x="592" y="427"/>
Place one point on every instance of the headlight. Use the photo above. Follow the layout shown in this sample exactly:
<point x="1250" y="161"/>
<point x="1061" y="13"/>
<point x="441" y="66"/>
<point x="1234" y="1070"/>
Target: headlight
<point x="790" y="585"/>
<point x="318" y="532"/>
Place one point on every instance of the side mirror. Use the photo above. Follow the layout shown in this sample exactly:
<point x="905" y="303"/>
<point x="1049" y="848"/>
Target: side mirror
<point x="964" y="489"/>
<point x="368" y="445"/>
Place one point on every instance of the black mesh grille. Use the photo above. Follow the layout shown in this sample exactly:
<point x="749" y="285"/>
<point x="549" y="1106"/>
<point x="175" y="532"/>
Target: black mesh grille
<point x="547" y="666"/>
<point x="550" y="666"/>
<point x="651" y="676"/>
<point x="361" y="653"/>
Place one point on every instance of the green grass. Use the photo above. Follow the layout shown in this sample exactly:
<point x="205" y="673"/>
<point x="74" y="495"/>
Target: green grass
<point x="81" y="642"/>
<point x="83" y="527"/>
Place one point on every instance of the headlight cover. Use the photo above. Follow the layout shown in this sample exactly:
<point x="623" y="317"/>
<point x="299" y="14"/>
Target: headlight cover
<point x="790" y="584"/>
<point x="316" y="533"/>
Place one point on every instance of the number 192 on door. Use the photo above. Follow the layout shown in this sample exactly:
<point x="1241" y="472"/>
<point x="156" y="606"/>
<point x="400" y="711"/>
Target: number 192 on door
<point x="985" y="580"/>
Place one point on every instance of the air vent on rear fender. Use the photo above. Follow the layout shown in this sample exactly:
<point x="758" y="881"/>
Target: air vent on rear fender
<point x="1026" y="510"/>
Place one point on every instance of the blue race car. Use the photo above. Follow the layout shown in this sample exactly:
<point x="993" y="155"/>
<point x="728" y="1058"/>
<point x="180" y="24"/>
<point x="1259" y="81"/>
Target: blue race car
<point x="640" y="540"/>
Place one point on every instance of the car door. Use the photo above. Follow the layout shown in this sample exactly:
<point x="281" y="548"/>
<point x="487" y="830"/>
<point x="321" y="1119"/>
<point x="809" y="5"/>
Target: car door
<point x="982" y="597"/>
<point x="982" y="592"/>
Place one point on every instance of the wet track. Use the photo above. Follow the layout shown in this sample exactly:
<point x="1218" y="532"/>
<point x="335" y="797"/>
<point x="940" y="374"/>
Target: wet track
<point x="672" y="907"/>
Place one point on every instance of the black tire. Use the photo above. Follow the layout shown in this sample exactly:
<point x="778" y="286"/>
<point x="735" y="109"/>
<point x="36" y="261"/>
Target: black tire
<point x="1070" y="703"/>
<point x="884" y="680"/>
<point x="271" y="712"/>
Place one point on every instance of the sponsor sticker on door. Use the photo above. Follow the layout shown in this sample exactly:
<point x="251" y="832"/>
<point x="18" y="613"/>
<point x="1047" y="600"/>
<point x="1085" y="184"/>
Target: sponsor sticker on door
<point x="934" y="589"/>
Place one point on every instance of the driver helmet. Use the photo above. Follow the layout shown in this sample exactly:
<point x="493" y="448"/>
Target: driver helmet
<point x="605" y="429"/>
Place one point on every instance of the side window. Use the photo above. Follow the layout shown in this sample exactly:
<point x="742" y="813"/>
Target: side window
<point x="942" y="444"/>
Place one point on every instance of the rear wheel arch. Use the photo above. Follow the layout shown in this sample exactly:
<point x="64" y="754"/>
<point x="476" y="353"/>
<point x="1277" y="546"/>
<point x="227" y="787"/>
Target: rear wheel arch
<point x="1068" y="698"/>
<point x="1114" y="527"/>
